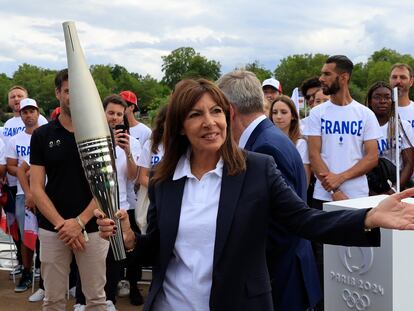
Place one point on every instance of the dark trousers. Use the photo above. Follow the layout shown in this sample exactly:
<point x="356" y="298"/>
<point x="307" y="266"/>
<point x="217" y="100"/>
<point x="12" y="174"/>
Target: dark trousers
<point x="134" y="268"/>
<point x="37" y="263"/>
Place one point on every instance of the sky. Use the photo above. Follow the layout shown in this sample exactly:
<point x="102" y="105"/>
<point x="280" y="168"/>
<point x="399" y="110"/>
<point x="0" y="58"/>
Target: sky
<point x="136" y="33"/>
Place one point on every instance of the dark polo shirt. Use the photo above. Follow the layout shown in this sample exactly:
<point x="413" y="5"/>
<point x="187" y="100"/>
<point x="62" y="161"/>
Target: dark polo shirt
<point x="53" y="147"/>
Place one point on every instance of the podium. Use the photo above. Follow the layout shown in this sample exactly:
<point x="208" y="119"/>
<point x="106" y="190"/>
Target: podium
<point x="370" y="278"/>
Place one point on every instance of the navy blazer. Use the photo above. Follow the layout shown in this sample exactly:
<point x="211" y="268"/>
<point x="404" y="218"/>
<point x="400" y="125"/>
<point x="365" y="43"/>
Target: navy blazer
<point x="240" y="280"/>
<point x="291" y="263"/>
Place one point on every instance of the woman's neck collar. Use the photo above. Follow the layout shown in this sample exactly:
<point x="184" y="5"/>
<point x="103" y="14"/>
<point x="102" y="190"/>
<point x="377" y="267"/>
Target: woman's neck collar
<point x="203" y="162"/>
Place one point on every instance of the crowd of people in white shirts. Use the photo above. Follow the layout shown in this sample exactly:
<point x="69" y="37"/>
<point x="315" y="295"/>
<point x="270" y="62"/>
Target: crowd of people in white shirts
<point x="132" y="141"/>
<point x="339" y="142"/>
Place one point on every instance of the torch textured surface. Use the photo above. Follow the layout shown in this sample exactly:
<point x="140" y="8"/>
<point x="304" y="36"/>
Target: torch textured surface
<point x="98" y="163"/>
<point x="92" y="135"/>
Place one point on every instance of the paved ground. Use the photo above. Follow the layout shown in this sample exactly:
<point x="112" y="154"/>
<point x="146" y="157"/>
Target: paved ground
<point x="9" y="300"/>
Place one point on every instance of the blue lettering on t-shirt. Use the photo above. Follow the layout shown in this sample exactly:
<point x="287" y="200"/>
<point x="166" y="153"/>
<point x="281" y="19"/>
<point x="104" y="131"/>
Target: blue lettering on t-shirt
<point x="11" y="131"/>
<point x="385" y="144"/>
<point x="155" y="159"/>
<point x="341" y="127"/>
<point x="22" y="151"/>
<point x="328" y="127"/>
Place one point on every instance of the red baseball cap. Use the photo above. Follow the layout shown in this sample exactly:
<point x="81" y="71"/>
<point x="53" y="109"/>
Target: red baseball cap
<point x="55" y="113"/>
<point x="130" y="98"/>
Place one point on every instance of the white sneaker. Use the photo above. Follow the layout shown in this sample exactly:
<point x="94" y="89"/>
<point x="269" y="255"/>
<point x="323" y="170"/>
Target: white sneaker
<point x="72" y="292"/>
<point x="110" y="306"/>
<point x="78" y="307"/>
<point x="37" y="296"/>
<point x="123" y="288"/>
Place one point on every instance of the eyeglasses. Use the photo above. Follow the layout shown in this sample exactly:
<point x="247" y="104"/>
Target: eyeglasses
<point x="379" y="98"/>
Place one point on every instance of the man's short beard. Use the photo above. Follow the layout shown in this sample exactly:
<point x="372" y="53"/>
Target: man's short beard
<point x="333" y="89"/>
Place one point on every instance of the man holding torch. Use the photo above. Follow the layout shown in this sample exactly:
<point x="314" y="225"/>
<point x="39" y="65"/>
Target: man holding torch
<point x="66" y="203"/>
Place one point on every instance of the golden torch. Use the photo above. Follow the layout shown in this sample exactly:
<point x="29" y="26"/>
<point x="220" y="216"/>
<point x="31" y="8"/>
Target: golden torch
<point x="92" y="134"/>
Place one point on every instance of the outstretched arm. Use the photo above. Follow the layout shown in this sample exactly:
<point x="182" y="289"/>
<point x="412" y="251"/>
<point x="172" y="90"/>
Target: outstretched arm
<point x="392" y="213"/>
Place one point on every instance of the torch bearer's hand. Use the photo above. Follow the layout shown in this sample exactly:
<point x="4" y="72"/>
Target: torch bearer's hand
<point x="68" y="230"/>
<point x="107" y="227"/>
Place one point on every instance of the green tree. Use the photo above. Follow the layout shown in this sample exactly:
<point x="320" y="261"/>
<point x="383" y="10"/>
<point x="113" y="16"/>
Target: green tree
<point x="39" y="84"/>
<point x="149" y="91"/>
<point x="293" y="70"/>
<point x="145" y="87"/>
<point x="379" y="65"/>
<point x="154" y="107"/>
<point x="102" y="75"/>
<point x="124" y="80"/>
<point x="260" y="72"/>
<point x="185" y="63"/>
<point x="5" y="84"/>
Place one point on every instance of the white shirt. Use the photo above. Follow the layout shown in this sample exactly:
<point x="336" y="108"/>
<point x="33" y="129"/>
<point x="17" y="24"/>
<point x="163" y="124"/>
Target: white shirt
<point x="148" y="159"/>
<point x="302" y="147"/>
<point x="12" y="127"/>
<point x="122" y="171"/>
<point x="18" y="148"/>
<point x="303" y="123"/>
<point x="140" y="132"/>
<point x="188" y="279"/>
<point x="407" y="113"/>
<point x="385" y="145"/>
<point x="343" y="131"/>
<point x="2" y="153"/>
<point x="249" y="130"/>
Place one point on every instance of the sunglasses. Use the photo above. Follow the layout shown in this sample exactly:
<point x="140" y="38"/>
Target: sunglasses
<point x="309" y="96"/>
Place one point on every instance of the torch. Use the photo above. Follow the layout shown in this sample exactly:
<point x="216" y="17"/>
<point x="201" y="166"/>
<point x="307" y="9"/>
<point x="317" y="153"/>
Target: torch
<point x="92" y="135"/>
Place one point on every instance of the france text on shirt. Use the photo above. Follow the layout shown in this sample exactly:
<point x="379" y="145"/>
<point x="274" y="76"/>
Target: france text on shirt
<point x="22" y="151"/>
<point x="385" y="144"/>
<point x="11" y="131"/>
<point x="341" y="127"/>
<point x="155" y="159"/>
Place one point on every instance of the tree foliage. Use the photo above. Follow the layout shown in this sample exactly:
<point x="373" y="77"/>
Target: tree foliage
<point x="260" y="71"/>
<point x="5" y="84"/>
<point x="184" y="63"/>
<point x="293" y="70"/>
<point x="38" y="82"/>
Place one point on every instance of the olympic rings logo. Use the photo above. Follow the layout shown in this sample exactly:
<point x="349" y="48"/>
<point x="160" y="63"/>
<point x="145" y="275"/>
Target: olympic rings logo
<point x="355" y="300"/>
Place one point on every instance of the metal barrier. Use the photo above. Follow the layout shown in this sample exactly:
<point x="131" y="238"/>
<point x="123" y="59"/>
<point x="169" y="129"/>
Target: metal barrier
<point x="7" y="255"/>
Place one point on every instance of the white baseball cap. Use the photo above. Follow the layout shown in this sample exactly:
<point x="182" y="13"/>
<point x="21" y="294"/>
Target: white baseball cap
<point x="28" y="102"/>
<point x="274" y="83"/>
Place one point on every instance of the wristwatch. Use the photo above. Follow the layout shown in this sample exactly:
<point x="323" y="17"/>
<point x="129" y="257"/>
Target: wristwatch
<point x="334" y="191"/>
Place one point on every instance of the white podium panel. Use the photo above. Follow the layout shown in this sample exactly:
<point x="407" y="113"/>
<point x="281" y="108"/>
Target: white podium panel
<point x="370" y="278"/>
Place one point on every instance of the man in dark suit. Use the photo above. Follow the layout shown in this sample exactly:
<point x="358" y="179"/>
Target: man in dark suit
<point x="291" y="265"/>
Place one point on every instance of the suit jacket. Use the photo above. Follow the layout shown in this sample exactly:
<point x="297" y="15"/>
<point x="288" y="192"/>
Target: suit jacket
<point x="290" y="259"/>
<point x="240" y="280"/>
